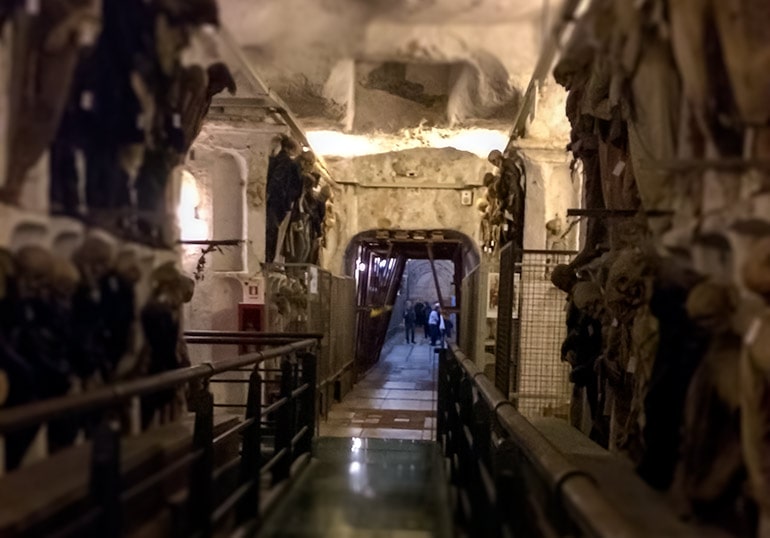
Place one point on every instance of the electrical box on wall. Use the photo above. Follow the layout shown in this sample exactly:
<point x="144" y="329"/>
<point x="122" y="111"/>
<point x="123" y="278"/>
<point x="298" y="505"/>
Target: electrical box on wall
<point x="466" y="197"/>
<point x="251" y="317"/>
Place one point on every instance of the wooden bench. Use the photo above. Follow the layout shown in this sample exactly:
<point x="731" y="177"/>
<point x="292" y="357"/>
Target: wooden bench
<point x="49" y="494"/>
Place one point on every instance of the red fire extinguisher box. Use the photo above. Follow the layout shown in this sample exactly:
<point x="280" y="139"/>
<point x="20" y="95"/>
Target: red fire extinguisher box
<point x="250" y="318"/>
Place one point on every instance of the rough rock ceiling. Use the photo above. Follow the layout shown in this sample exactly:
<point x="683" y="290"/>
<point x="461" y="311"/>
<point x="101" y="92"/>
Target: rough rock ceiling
<point x="267" y="21"/>
<point x="393" y="65"/>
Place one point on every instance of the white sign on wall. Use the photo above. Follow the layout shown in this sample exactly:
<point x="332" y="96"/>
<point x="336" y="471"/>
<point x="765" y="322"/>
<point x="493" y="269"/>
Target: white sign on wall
<point x="254" y="291"/>
<point x="312" y="280"/>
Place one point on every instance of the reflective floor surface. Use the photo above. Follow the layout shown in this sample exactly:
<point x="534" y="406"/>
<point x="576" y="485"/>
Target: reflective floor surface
<point x="395" y="400"/>
<point x="366" y="488"/>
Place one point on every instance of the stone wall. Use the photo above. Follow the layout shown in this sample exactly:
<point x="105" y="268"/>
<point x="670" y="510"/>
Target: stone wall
<point x="229" y="164"/>
<point x="551" y="191"/>
<point x="492" y="66"/>
<point x="422" y="188"/>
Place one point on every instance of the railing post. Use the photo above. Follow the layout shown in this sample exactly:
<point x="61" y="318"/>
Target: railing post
<point x="307" y="407"/>
<point x="284" y="428"/>
<point x="509" y="504"/>
<point x="251" y="453"/>
<point x="442" y="399"/>
<point x="106" y="479"/>
<point x="202" y="469"/>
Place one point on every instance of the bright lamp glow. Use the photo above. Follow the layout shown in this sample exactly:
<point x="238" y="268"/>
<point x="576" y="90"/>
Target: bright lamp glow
<point x="477" y="141"/>
<point x="191" y="228"/>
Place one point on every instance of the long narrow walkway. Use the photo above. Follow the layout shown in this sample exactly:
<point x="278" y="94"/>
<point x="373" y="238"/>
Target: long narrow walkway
<point x="395" y="400"/>
<point x="366" y="488"/>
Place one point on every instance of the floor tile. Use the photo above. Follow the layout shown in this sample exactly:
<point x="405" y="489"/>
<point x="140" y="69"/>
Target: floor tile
<point x="337" y="431"/>
<point x="340" y="414"/>
<point x="380" y="489"/>
<point x="412" y="394"/>
<point x="400" y="385"/>
<point x="360" y="403"/>
<point x="409" y="405"/>
<point x="392" y="433"/>
<point x="368" y="393"/>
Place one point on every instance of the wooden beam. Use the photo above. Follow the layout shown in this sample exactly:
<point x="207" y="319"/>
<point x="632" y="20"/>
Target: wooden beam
<point x="265" y="102"/>
<point x="618" y="213"/>
<point x="281" y="109"/>
<point x="429" y="246"/>
<point x="545" y="62"/>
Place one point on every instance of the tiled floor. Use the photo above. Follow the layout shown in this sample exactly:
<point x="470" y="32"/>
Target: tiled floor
<point x="366" y="488"/>
<point x="396" y="399"/>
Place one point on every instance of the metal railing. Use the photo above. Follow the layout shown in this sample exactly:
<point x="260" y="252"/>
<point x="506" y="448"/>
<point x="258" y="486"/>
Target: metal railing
<point x="272" y="438"/>
<point x="512" y="481"/>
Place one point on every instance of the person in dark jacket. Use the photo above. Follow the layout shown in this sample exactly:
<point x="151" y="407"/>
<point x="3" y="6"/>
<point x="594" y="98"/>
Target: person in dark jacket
<point x="284" y="187"/>
<point x="410" y="319"/>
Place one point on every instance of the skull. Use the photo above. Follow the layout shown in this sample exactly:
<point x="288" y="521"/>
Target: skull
<point x="127" y="266"/>
<point x="710" y="304"/>
<point x="187" y="286"/>
<point x="94" y="258"/>
<point x="496" y="158"/>
<point x="35" y="268"/>
<point x="7" y="272"/>
<point x="628" y="281"/>
<point x="165" y="280"/>
<point x="307" y="161"/>
<point x="563" y="277"/>
<point x="756" y="270"/>
<point x="64" y="279"/>
<point x="588" y="297"/>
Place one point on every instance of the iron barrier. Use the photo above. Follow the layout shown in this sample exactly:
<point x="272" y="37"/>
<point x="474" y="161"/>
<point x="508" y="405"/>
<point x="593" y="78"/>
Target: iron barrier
<point x="273" y="437"/>
<point x="509" y="479"/>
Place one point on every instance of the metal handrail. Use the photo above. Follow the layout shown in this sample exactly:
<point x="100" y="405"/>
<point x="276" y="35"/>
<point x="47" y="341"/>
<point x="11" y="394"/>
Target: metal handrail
<point x="246" y="337"/>
<point x="112" y="395"/>
<point x="291" y="437"/>
<point x="253" y="334"/>
<point x="586" y="504"/>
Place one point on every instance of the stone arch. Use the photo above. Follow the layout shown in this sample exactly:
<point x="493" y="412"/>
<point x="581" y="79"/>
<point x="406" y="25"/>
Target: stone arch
<point x="228" y="199"/>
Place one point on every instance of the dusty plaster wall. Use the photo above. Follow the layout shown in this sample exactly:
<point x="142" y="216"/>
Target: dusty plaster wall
<point x="422" y="189"/>
<point x="227" y="160"/>
<point x="551" y="191"/>
<point x="461" y="43"/>
<point x="313" y="57"/>
<point x="549" y="128"/>
<point x="413" y="189"/>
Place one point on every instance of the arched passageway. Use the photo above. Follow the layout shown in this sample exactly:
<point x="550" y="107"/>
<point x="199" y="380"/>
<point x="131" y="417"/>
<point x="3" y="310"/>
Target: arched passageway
<point x="396" y="382"/>
<point x="378" y="258"/>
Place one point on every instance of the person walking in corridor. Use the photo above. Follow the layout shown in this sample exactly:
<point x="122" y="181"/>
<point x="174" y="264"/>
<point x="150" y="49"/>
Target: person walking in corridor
<point x="435" y="325"/>
<point x="410" y="320"/>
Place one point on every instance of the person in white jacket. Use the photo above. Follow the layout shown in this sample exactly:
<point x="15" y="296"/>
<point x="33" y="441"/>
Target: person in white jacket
<point x="436" y="326"/>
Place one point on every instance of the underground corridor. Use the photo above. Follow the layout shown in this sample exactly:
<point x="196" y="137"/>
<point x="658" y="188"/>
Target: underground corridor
<point x="384" y="268"/>
<point x="395" y="392"/>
